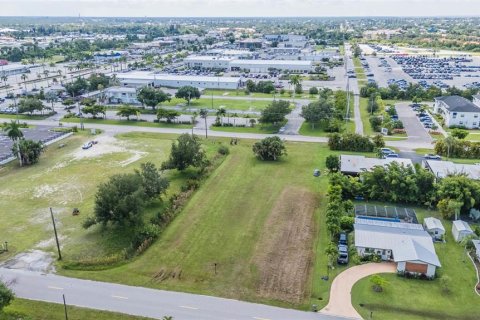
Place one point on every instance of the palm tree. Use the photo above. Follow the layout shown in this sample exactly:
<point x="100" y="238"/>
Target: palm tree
<point x="204" y="114"/>
<point x="24" y="77"/>
<point x="221" y="113"/>
<point x="45" y="73"/>
<point x="449" y="142"/>
<point x="5" y="79"/>
<point x="15" y="134"/>
<point x="295" y="80"/>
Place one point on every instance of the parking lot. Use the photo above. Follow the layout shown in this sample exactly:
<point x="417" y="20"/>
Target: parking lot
<point x="39" y="133"/>
<point x="415" y="130"/>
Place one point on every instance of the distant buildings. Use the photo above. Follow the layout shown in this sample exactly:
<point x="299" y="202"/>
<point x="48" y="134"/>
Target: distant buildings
<point x="13" y="69"/>
<point x="458" y="111"/>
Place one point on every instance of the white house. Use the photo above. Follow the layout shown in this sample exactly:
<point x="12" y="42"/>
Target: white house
<point x="460" y="230"/>
<point x="458" y="111"/>
<point x="476" y="99"/>
<point x="407" y="244"/>
<point x="476" y="244"/>
<point x="434" y="227"/>
<point x="354" y="165"/>
<point x="120" y="95"/>
<point x="442" y="169"/>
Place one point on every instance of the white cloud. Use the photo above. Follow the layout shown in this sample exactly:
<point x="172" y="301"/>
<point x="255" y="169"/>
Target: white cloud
<point x="184" y="8"/>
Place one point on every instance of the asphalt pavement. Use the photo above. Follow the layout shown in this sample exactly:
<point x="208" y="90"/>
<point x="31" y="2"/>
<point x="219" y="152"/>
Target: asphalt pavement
<point x="143" y="301"/>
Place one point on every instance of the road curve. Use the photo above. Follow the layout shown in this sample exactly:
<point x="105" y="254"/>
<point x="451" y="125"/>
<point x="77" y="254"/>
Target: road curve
<point x="143" y="301"/>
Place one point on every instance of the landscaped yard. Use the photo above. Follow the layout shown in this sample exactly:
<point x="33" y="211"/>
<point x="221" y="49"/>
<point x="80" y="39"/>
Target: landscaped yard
<point x="422" y="299"/>
<point x="37" y="310"/>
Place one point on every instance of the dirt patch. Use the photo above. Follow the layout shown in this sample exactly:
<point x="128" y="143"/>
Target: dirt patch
<point x="106" y="144"/>
<point x="34" y="260"/>
<point x="284" y="253"/>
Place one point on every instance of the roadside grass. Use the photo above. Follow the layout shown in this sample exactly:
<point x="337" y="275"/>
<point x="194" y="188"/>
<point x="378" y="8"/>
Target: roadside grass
<point x="244" y="104"/>
<point x="365" y="116"/>
<point x="319" y="130"/>
<point x="37" y="310"/>
<point x="262" y="129"/>
<point x="23" y="116"/>
<point x="414" y="299"/>
<point x="129" y="123"/>
<point x="241" y="93"/>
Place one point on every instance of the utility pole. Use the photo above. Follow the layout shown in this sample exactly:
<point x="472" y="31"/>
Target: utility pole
<point x="65" y="307"/>
<point x="56" y="235"/>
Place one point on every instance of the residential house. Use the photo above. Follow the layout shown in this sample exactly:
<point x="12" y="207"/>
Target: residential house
<point x="460" y="230"/>
<point x="354" y="165"/>
<point x="458" y="111"/>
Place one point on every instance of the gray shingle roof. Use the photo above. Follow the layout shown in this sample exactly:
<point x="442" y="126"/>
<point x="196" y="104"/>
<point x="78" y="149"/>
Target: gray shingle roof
<point x="459" y="104"/>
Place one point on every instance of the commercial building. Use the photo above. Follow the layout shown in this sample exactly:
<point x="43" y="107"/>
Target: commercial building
<point x="13" y="69"/>
<point x="207" y="62"/>
<point x="458" y="111"/>
<point x="263" y="66"/>
<point x="139" y="79"/>
<point x="250" y="44"/>
<point x="460" y="230"/>
<point x="407" y="244"/>
<point x="354" y="165"/>
<point x="442" y="169"/>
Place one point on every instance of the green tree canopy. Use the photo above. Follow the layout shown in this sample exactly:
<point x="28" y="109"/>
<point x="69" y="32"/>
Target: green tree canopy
<point x="186" y="151"/>
<point x="270" y="148"/>
<point x="127" y="111"/>
<point x="152" y="97"/>
<point x="167" y="114"/>
<point x="188" y="93"/>
<point x="275" y="112"/>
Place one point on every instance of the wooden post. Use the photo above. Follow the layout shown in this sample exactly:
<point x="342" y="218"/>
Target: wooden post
<point x="56" y="235"/>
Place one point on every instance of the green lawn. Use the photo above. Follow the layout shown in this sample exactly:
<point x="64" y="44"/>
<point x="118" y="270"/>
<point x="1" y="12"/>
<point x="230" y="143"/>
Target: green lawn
<point x="365" y="116"/>
<point x="128" y="123"/>
<point x="23" y="116"/>
<point x="473" y="136"/>
<point x="241" y="93"/>
<point x="420" y="299"/>
<point x="319" y="131"/>
<point x="37" y="310"/>
<point x="257" y="129"/>
<point x="244" y="104"/>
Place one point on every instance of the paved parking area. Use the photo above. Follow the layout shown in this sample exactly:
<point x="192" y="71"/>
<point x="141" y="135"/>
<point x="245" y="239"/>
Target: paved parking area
<point x="415" y="130"/>
<point x="39" y="133"/>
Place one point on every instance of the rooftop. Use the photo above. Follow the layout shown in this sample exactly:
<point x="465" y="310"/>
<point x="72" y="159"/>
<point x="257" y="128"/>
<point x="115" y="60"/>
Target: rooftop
<point x="433" y="223"/>
<point x="461" y="225"/>
<point x="442" y="169"/>
<point x="146" y="75"/>
<point x="408" y="242"/>
<point x="303" y="63"/>
<point x="357" y="164"/>
<point x="459" y="104"/>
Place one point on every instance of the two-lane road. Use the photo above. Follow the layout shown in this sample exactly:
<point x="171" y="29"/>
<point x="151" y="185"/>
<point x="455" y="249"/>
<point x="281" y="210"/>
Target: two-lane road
<point x="143" y="301"/>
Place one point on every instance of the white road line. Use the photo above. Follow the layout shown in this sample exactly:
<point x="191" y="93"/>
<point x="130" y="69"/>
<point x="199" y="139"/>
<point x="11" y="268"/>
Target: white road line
<point x="119" y="297"/>
<point x="187" y="307"/>
<point x="257" y="318"/>
<point x="55" y="288"/>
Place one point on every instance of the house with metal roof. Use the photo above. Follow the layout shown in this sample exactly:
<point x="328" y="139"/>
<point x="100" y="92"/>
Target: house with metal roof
<point x="442" y="169"/>
<point x="476" y="244"/>
<point x="354" y="165"/>
<point x="458" y="111"/>
<point x="434" y="227"/>
<point x="407" y="244"/>
<point x="460" y="230"/>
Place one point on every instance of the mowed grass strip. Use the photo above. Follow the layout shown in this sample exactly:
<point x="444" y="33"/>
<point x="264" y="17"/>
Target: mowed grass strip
<point x="37" y="310"/>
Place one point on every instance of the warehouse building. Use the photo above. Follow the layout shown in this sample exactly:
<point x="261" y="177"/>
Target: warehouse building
<point x="13" y="69"/>
<point x="264" y="66"/>
<point x="136" y="79"/>
<point x="207" y="62"/>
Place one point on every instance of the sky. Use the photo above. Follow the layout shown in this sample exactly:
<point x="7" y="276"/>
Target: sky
<point x="239" y="8"/>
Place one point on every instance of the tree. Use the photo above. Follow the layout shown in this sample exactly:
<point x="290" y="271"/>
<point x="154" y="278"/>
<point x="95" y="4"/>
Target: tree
<point x="275" y="112"/>
<point x="333" y="163"/>
<point x="120" y="200"/>
<point x="51" y="96"/>
<point x="6" y="296"/>
<point x="94" y="110"/>
<point x="188" y="93"/>
<point x="77" y="87"/>
<point x="28" y="150"/>
<point x="30" y="105"/>
<point x="270" y="149"/>
<point x="332" y="252"/>
<point x="169" y="115"/>
<point x="4" y="79"/>
<point x="186" y="151"/>
<point x="221" y="112"/>
<point x="127" y="111"/>
<point x="24" y="77"/>
<point x="457" y="194"/>
<point x="378" y="141"/>
<point x="204" y="114"/>
<point x="295" y="81"/>
<point x="15" y="134"/>
<point x="97" y="79"/>
<point x="315" y="112"/>
<point x="378" y="283"/>
<point x="459" y="133"/>
<point x="152" y="97"/>
<point x="154" y="184"/>
<point x="313" y="91"/>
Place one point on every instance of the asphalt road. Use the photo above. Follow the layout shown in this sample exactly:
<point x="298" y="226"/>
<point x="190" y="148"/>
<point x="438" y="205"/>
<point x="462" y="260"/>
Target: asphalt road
<point x="143" y="301"/>
<point x="413" y="126"/>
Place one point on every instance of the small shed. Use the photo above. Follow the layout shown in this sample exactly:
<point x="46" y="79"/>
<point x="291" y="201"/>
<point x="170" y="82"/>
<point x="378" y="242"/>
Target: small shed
<point x="460" y="230"/>
<point x="434" y="227"/>
<point x="476" y="244"/>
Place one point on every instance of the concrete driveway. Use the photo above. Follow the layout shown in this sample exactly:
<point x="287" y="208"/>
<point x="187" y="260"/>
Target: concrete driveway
<point x="340" y="303"/>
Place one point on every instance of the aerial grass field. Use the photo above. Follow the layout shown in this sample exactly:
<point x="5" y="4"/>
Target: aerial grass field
<point x="128" y="123"/>
<point x="241" y="93"/>
<point x="414" y="299"/>
<point x="229" y="104"/>
<point x="265" y="129"/>
<point x="319" y="131"/>
<point x="37" y="310"/>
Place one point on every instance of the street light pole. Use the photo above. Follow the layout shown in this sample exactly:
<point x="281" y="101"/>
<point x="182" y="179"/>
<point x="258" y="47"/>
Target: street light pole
<point x="56" y="235"/>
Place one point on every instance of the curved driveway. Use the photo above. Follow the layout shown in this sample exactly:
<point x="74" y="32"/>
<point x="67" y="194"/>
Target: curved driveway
<point x="340" y="302"/>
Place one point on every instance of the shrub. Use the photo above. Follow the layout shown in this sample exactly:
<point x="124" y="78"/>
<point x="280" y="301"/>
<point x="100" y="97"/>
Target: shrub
<point x="270" y="148"/>
<point x="313" y="90"/>
<point x="223" y="150"/>
<point x="350" y="142"/>
<point x="6" y="296"/>
<point x="332" y="163"/>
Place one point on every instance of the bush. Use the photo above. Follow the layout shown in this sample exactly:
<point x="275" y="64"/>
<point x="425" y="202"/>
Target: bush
<point x="271" y="149"/>
<point x="346" y="223"/>
<point x="147" y="232"/>
<point x="223" y="150"/>
<point x="313" y="90"/>
<point x="350" y="142"/>
<point x="6" y="296"/>
<point x="376" y="123"/>
<point x="332" y="163"/>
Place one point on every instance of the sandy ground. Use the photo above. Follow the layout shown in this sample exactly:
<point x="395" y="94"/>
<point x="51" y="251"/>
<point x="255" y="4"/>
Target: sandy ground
<point x="340" y="303"/>
<point x="33" y="260"/>
<point x="284" y="253"/>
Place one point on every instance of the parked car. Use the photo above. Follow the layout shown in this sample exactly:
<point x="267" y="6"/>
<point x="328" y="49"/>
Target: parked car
<point x="87" y="145"/>
<point x="431" y="156"/>
<point x="391" y="155"/>
<point x="342" y="254"/>
<point x="343" y="240"/>
<point x="386" y="151"/>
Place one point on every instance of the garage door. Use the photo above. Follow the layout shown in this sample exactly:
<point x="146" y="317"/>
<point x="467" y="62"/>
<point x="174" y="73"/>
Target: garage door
<point x="416" y="267"/>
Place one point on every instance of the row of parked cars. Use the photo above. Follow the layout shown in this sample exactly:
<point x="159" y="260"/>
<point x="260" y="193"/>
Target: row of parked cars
<point x="342" y="249"/>
<point x="423" y="116"/>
